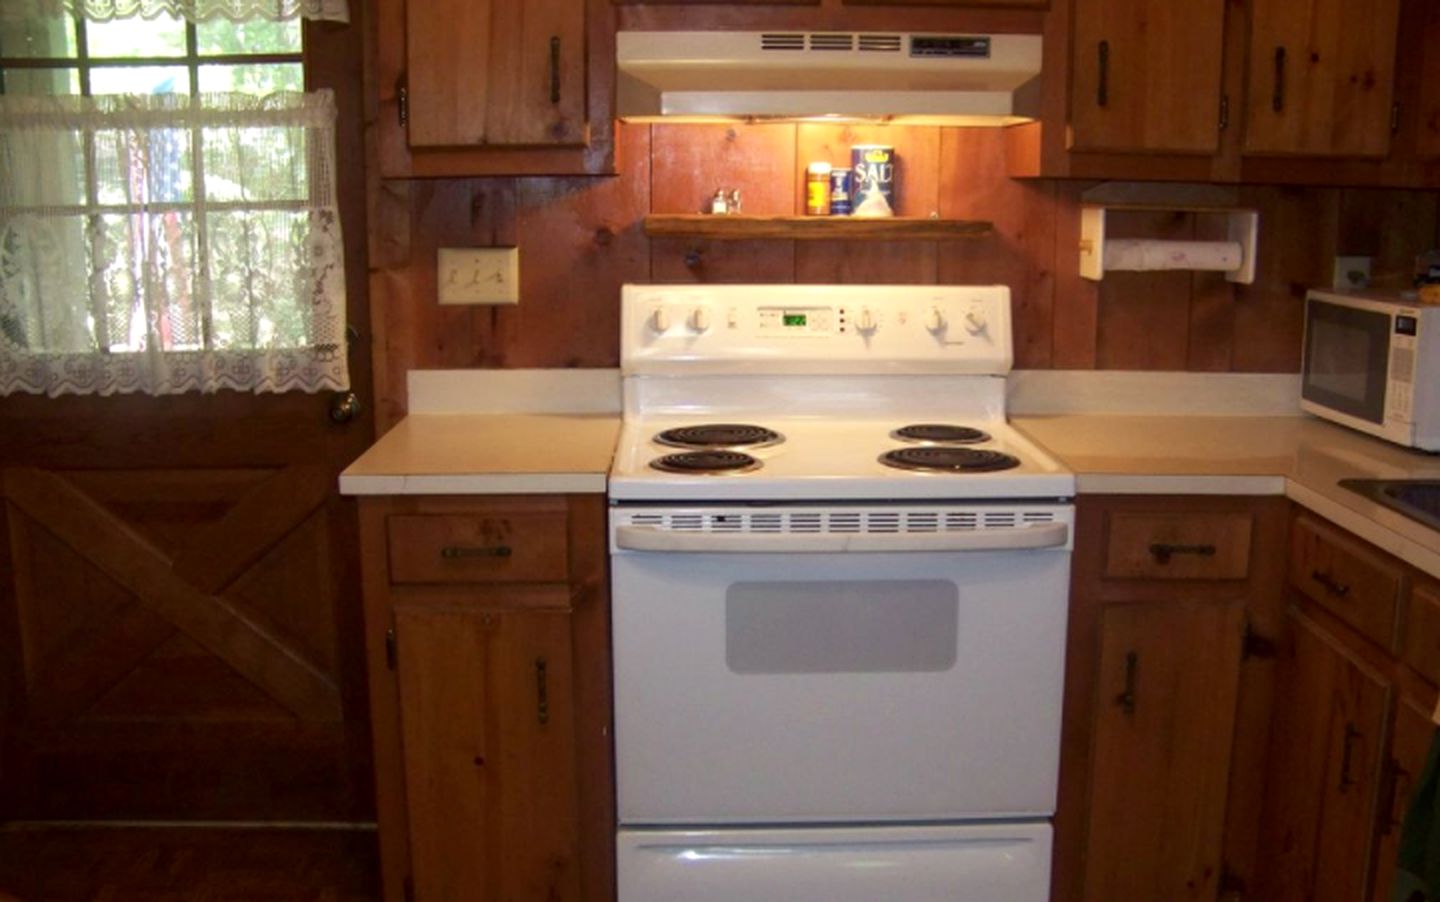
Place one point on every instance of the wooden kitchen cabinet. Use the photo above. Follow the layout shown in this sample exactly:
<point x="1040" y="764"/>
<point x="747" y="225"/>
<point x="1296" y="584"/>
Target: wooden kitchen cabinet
<point x="1168" y="675"/>
<point x="1146" y="75"/>
<point x="488" y="652"/>
<point x="487" y="87"/>
<point x="1321" y="77"/>
<point x="1428" y="139"/>
<point x="1324" y="773"/>
<point x="1352" y="721"/>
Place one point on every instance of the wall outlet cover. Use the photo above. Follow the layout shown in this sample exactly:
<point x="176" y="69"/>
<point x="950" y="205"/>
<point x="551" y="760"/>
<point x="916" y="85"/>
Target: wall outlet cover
<point x="479" y="275"/>
<point x="1351" y="273"/>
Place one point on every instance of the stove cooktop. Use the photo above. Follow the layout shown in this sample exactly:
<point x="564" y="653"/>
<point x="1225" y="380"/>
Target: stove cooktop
<point x="828" y="459"/>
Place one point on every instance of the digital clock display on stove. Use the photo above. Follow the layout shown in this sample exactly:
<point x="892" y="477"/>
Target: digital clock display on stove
<point x="794" y="319"/>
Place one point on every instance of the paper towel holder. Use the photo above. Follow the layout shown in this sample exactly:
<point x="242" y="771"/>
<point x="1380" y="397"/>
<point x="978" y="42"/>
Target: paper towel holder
<point x="1243" y="228"/>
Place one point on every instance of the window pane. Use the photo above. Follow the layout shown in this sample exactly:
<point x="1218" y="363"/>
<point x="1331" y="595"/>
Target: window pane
<point x="259" y="164"/>
<point x="40" y="81"/>
<point x="139" y="80"/>
<point x="33" y="38"/>
<point x="253" y="79"/>
<point x="129" y="38"/>
<point x="224" y="37"/>
<point x="143" y="166"/>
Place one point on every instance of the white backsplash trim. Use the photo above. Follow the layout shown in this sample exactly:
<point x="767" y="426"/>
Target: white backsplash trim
<point x="1055" y="392"/>
<point x="514" y="391"/>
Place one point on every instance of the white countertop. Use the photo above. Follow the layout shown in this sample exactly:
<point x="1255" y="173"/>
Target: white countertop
<point x="1300" y="457"/>
<point x="487" y="454"/>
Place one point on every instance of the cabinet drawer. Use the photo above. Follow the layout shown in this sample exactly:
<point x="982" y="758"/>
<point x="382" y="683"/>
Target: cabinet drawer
<point x="1421" y="649"/>
<point x="1178" y="545"/>
<point x="1356" y="584"/>
<point x="477" y="548"/>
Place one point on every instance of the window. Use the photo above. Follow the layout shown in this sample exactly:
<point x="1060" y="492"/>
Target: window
<point x="167" y="212"/>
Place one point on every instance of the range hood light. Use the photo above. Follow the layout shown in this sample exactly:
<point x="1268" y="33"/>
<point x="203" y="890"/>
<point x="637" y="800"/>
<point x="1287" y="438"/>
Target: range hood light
<point x="830" y="77"/>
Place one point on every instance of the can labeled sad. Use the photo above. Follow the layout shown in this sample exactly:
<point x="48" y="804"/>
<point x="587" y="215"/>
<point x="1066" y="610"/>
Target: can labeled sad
<point x="873" y="191"/>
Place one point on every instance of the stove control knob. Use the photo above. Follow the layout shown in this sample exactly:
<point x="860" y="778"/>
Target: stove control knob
<point x="935" y="321"/>
<point x="866" y="321"/>
<point x="700" y="319"/>
<point x="660" y="320"/>
<point x="975" y="322"/>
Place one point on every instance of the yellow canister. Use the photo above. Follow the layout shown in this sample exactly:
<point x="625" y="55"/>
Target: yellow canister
<point x="817" y="189"/>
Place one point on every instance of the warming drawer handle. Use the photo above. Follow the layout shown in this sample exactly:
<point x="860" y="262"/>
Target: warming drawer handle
<point x="648" y="538"/>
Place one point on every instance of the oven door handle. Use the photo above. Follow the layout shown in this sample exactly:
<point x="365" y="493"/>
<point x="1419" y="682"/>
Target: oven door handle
<point x="648" y="538"/>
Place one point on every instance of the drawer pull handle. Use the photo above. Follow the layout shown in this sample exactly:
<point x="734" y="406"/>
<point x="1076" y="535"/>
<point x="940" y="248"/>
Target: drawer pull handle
<point x="1389" y="791"/>
<point x="1277" y="97"/>
<point x="1347" y="755"/>
<point x="542" y="691"/>
<point x="1126" y="699"/>
<point x="555" y="70"/>
<point x="1163" y="551"/>
<point x="1338" y="589"/>
<point x="1102" y="87"/>
<point x="451" y="552"/>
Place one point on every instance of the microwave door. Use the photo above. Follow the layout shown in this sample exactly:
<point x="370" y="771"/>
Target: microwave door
<point x="1347" y="359"/>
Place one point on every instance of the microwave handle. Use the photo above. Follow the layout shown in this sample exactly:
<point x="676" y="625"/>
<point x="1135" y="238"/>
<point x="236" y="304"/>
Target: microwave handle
<point x="648" y="538"/>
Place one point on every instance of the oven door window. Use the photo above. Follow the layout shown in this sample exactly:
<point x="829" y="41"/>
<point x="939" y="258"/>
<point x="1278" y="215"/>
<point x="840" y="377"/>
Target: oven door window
<point x="884" y="626"/>
<point x="1347" y="359"/>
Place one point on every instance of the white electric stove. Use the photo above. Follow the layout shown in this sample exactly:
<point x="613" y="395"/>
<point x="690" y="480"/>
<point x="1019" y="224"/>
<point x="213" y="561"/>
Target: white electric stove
<point x="839" y="595"/>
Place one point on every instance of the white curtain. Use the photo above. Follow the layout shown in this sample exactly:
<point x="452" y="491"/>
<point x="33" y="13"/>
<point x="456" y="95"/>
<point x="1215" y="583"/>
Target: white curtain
<point x="170" y="243"/>
<point x="192" y="10"/>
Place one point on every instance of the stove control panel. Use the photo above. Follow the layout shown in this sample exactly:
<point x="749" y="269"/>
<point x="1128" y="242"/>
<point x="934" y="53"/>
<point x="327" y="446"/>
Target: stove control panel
<point x="813" y="328"/>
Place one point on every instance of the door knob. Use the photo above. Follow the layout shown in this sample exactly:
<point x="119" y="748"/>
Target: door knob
<point x="344" y="407"/>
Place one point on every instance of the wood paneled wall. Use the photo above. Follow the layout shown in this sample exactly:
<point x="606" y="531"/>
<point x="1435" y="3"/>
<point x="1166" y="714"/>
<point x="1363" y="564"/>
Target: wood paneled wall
<point x="580" y="239"/>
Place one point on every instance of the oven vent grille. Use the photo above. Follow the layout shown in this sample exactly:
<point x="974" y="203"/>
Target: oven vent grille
<point x="851" y="522"/>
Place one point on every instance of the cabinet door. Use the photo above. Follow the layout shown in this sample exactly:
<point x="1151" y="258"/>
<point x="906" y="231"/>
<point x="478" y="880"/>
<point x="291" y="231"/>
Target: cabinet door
<point x="1409" y="747"/>
<point x="1322" y="77"/>
<point x="495" y="72"/>
<point x="487" y="722"/>
<point x="1429" y="138"/>
<point x="1168" y="680"/>
<point x="1146" y="75"/>
<point x="1317" y="828"/>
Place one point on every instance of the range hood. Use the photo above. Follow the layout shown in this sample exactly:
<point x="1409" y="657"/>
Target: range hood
<point x="951" y="79"/>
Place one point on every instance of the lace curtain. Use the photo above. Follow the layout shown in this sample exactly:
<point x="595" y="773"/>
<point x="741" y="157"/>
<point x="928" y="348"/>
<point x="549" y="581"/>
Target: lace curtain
<point x="192" y="10"/>
<point x="170" y="243"/>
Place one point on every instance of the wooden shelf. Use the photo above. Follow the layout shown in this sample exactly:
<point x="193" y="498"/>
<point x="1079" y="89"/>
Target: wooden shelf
<point x="811" y="228"/>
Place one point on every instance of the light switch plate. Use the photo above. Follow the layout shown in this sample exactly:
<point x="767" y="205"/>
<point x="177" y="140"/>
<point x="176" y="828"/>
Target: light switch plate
<point x="479" y="275"/>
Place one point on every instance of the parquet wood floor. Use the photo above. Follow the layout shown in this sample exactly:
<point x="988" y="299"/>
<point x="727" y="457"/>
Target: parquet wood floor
<point x="144" y="864"/>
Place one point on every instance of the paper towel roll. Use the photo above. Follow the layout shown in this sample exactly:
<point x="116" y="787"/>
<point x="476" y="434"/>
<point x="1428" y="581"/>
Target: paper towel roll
<point x="1209" y="256"/>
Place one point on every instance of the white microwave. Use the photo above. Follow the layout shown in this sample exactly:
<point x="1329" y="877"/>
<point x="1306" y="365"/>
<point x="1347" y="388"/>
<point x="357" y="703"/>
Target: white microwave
<point x="1372" y="362"/>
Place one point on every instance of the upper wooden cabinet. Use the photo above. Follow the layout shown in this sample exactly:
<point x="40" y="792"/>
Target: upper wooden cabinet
<point x="1428" y="139"/>
<point x="1147" y="75"/>
<point x="484" y="72"/>
<point x="1321" y="77"/>
<point x="491" y="87"/>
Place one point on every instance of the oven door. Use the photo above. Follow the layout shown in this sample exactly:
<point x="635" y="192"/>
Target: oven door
<point x="808" y="685"/>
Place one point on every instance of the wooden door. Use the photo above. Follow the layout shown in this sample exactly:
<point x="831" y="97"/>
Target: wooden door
<point x="1410" y="741"/>
<point x="495" y="72"/>
<point x="1321" y="77"/>
<point x="1146" y="75"/>
<point x="1317" y="827"/>
<point x="488" y="725"/>
<point x="1169" y="675"/>
<point x="180" y="632"/>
